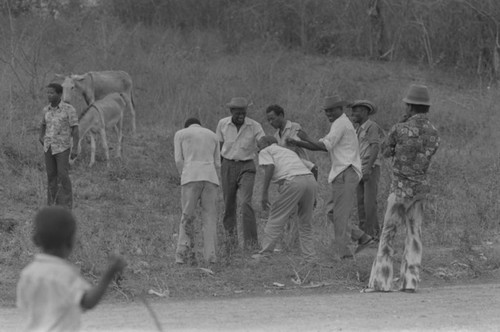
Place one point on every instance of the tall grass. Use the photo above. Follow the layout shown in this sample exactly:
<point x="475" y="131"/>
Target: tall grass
<point x="134" y="208"/>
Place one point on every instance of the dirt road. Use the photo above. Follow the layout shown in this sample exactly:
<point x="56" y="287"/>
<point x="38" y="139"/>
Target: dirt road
<point x="457" y="308"/>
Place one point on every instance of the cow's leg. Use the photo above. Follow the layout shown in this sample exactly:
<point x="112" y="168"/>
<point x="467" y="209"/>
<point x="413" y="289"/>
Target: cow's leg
<point x="119" y="136"/>
<point x="92" y="149"/>
<point x="105" y="144"/>
<point x="130" y="105"/>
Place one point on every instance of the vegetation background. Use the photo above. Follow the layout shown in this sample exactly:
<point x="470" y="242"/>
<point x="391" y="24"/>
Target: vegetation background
<point x="188" y="58"/>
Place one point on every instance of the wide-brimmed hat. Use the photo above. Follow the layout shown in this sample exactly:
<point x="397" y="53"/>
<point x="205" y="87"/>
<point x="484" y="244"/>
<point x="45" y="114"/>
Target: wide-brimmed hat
<point x="238" y="102"/>
<point x="333" y="102"/>
<point x="417" y="95"/>
<point x="372" y="109"/>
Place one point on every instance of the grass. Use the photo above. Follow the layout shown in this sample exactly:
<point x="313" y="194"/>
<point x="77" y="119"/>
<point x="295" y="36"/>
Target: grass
<point x="133" y="208"/>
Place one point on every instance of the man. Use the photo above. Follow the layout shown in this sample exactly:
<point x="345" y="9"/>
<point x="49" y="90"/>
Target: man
<point x="342" y="145"/>
<point x="59" y="126"/>
<point x="297" y="187"/>
<point x="370" y="136"/>
<point x="197" y="157"/>
<point x="238" y="136"/>
<point x="411" y="143"/>
<point x="286" y="129"/>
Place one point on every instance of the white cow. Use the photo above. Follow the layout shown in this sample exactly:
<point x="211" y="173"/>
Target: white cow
<point x="103" y="113"/>
<point x="96" y="85"/>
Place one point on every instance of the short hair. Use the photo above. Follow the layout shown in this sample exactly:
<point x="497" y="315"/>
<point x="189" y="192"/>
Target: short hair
<point x="55" y="228"/>
<point x="57" y="87"/>
<point x="277" y="109"/>
<point x="191" y="121"/>
<point x="420" y="108"/>
<point x="268" y="140"/>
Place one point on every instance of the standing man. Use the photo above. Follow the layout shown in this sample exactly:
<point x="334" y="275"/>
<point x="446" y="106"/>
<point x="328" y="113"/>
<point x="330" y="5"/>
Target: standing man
<point x="370" y="136"/>
<point x="411" y="143"/>
<point x="297" y="187"/>
<point x="238" y="136"/>
<point x="197" y="157"/>
<point x="286" y="129"/>
<point x="59" y="125"/>
<point x="342" y="145"/>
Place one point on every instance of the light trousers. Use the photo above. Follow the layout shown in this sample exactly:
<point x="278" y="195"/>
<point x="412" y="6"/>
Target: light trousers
<point x="205" y="193"/>
<point x="339" y="208"/>
<point x="297" y="193"/>
<point x="411" y="215"/>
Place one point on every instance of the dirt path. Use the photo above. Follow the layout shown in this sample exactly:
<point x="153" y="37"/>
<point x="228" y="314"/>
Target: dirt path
<point x="457" y="308"/>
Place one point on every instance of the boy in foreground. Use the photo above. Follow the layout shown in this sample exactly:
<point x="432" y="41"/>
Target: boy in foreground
<point x="51" y="291"/>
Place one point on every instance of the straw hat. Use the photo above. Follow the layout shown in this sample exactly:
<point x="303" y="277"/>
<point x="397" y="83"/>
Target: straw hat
<point x="238" y="102"/>
<point x="372" y="109"/>
<point x="333" y="102"/>
<point x="417" y="95"/>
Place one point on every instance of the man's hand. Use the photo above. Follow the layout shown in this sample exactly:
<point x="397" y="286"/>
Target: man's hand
<point x="303" y="136"/>
<point x="74" y="153"/>
<point x="116" y="264"/>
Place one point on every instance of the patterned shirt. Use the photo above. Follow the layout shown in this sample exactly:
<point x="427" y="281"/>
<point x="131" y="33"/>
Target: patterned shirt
<point x="411" y="145"/>
<point x="239" y="144"/>
<point x="369" y="133"/>
<point x="58" y="122"/>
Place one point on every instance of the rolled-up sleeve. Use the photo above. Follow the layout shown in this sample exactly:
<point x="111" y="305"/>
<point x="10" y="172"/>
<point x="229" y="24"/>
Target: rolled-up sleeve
<point x="333" y="136"/>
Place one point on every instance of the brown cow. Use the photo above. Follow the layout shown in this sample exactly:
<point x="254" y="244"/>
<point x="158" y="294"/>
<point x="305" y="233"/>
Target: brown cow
<point x="95" y="85"/>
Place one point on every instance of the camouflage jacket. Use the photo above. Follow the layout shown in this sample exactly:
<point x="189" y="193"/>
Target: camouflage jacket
<point x="411" y="145"/>
<point x="58" y="122"/>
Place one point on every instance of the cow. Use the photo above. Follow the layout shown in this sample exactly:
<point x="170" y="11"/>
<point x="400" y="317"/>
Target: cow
<point x="101" y="114"/>
<point x="95" y="85"/>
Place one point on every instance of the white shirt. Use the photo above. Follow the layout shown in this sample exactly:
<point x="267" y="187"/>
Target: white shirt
<point x="290" y="131"/>
<point x="287" y="163"/>
<point x="239" y="144"/>
<point x="49" y="292"/>
<point x="342" y="145"/>
<point x="197" y="154"/>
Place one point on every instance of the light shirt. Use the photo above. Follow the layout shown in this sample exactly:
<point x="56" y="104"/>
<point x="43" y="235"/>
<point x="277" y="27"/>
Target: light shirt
<point x="287" y="163"/>
<point x="239" y="144"/>
<point x="197" y="154"/>
<point x="290" y="131"/>
<point x="369" y="133"/>
<point x="49" y="292"/>
<point x="343" y="147"/>
<point x="58" y="122"/>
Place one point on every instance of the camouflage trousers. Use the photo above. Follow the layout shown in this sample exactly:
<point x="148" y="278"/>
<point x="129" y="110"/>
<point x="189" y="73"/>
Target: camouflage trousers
<point x="411" y="215"/>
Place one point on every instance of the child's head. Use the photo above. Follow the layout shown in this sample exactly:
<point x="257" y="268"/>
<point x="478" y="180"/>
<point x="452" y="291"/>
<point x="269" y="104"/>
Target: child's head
<point x="55" y="229"/>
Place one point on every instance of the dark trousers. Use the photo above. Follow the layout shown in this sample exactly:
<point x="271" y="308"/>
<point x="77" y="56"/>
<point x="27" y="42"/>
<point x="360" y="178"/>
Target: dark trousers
<point x="239" y="176"/>
<point x="59" y="190"/>
<point x="367" y="203"/>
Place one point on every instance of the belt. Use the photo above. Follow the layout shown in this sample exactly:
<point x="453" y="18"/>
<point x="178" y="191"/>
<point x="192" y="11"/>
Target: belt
<point x="237" y="161"/>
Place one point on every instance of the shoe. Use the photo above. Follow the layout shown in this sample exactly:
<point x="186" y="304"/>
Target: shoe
<point x="259" y="257"/>
<point x="364" y="245"/>
<point x="408" y="290"/>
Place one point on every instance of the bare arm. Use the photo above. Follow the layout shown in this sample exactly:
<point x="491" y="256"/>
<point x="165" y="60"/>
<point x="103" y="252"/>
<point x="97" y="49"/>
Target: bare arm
<point x="92" y="297"/>
<point x="43" y="127"/>
<point x="373" y="150"/>
<point x="268" y="174"/>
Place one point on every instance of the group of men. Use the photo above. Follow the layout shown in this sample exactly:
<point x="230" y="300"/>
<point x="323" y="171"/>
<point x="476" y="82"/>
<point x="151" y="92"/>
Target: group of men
<point x="355" y="153"/>
<point x="207" y="160"/>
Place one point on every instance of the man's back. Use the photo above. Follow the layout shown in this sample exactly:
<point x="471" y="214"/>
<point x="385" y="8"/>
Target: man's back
<point x="197" y="154"/>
